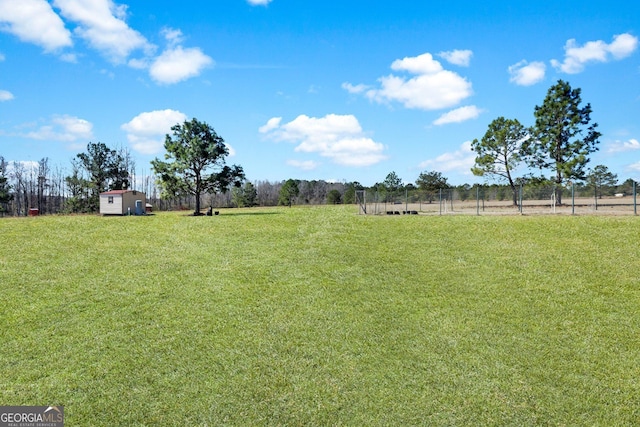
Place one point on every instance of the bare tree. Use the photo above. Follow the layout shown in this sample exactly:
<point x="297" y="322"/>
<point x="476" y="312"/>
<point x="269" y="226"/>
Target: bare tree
<point x="43" y="173"/>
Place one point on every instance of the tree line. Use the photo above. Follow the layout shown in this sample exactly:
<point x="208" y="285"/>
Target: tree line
<point x="194" y="170"/>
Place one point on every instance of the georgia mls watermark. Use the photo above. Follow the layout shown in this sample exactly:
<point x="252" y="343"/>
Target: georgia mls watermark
<point x="31" y="416"/>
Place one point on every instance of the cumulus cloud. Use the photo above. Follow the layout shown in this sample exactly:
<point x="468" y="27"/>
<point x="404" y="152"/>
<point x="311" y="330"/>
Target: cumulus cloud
<point x="461" y="160"/>
<point x="177" y="63"/>
<point x="623" y="45"/>
<point x="458" y="115"/>
<point x="146" y="131"/>
<point x="64" y="128"/>
<point x="576" y="57"/>
<point x="622" y="146"/>
<point x="259" y="2"/>
<point x="431" y="88"/>
<point x="101" y="23"/>
<point x="5" y="95"/>
<point x="457" y="57"/>
<point x="337" y="137"/>
<point x="273" y="123"/>
<point x="34" y="21"/>
<point x="524" y="73"/>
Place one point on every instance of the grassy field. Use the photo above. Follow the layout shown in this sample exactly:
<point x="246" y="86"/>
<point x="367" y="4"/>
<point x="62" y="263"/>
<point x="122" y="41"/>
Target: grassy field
<point x="318" y="316"/>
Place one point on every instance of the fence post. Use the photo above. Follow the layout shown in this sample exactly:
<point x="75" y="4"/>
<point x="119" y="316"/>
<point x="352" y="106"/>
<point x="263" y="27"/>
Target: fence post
<point x="520" y="197"/>
<point x="635" y="210"/>
<point x="440" y="201"/>
<point x="478" y="200"/>
<point x="406" y="200"/>
<point x="573" y="199"/>
<point x="451" y="198"/>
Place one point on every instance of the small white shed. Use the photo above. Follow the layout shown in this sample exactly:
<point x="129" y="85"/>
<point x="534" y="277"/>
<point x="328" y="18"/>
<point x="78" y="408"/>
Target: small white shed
<point x="122" y="202"/>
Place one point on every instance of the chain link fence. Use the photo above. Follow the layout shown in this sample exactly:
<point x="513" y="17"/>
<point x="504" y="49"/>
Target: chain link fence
<point x="480" y="200"/>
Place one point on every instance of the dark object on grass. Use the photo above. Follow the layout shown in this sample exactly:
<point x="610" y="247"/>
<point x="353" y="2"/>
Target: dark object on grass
<point x="210" y="212"/>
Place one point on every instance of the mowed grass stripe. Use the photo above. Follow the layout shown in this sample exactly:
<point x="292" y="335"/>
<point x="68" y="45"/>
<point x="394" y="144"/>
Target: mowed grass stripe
<point x="318" y="316"/>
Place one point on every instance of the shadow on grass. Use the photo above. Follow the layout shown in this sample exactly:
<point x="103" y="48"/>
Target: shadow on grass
<point x="248" y="213"/>
<point x="221" y="214"/>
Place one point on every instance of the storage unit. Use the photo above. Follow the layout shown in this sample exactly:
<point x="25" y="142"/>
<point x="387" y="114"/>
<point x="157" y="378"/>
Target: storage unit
<point x="122" y="202"/>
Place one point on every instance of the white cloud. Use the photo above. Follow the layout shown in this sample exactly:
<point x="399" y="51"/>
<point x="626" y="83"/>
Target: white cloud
<point x="146" y="131"/>
<point x="355" y="89"/>
<point x="173" y="36"/>
<point x="177" y="64"/>
<point x="458" y="115"/>
<point x="34" y="21"/>
<point x="524" y="73"/>
<point x="64" y="128"/>
<point x="461" y="160"/>
<point x="622" y="146"/>
<point x="457" y="57"/>
<point x="259" y="2"/>
<point x="272" y="124"/>
<point x="337" y="137"/>
<point x="101" y="23"/>
<point x="305" y="165"/>
<point x="623" y="45"/>
<point x="433" y="88"/>
<point x="421" y="64"/>
<point x="576" y="57"/>
<point x="5" y="95"/>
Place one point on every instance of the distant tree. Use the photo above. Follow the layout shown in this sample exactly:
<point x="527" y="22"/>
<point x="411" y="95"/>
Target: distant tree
<point x="562" y="137"/>
<point x="601" y="179"/>
<point x="267" y="193"/>
<point x="244" y="196"/>
<point x="392" y="184"/>
<point x="250" y="194"/>
<point x="288" y="192"/>
<point x="43" y="173"/>
<point x="349" y="196"/>
<point x="464" y="191"/>
<point x="334" y="197"/>
<point x="626" y="187"/>
<point x="237" y="197"/>
<point x="195" y="163"/>
<point x="20" y="187"/>
<point x="500" y="151"/>
<point x="78" y="187"/>
<point x="5" y="188"/>
<point x="430" y="183"/>
<point x="105" y="170"/>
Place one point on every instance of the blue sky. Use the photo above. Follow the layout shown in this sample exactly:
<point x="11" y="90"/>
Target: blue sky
<point x="333" y="90"/>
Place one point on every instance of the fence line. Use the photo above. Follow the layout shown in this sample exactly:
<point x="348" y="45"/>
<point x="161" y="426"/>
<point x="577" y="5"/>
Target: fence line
<point x="479" y="200"/>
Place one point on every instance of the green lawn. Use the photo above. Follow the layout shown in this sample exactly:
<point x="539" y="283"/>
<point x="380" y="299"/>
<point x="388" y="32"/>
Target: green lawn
<point x="318" y="316"/>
